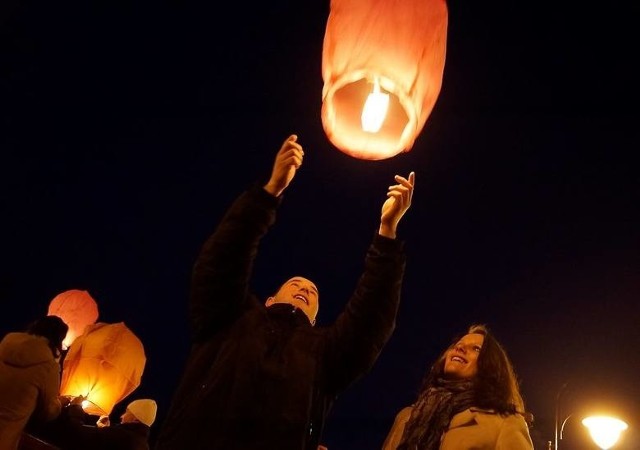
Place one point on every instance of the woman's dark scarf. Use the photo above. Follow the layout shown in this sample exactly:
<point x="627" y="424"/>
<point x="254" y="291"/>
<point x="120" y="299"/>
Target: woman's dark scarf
<point x="433" y="411"/>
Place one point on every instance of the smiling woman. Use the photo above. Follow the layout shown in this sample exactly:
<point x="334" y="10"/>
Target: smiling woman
<point x="461" y="359"/>
<point x="469" y="399"/>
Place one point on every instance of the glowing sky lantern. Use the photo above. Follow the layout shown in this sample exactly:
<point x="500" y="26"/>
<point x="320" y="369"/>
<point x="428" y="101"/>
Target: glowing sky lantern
<point x="104" y="365"/>
<point x="382" y="67"/>
<point x="77" y="309"/>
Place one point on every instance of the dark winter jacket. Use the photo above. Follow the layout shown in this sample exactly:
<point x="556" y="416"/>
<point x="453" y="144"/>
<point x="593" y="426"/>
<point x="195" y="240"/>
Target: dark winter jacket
<point x="261" y="378"/>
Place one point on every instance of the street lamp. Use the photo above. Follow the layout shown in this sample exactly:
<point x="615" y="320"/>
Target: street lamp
<point x="604" y="430"/>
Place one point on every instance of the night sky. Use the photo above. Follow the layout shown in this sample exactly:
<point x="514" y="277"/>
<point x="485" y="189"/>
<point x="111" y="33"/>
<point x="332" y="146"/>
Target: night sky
<point x="127" y="128"/>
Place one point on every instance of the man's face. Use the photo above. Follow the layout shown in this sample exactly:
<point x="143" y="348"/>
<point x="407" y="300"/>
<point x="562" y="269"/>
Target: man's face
<point x="299" y="292"/>
<point x="461" y="360"/>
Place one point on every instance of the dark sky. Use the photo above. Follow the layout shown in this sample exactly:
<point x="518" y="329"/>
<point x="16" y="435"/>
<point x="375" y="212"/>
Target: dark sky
<point x="127" y="128"/>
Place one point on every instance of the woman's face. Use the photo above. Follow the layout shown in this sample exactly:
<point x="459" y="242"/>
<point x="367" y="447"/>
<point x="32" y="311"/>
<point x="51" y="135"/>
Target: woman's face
<point x="461" y="360"/>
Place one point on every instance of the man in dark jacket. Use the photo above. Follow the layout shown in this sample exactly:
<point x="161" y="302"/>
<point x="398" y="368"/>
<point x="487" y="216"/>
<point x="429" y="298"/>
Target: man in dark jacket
<point x="261" y="376"/>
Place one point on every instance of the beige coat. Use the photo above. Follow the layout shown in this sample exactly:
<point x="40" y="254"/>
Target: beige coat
<point x="29" y="385"/>
<point x="472" y="429"/>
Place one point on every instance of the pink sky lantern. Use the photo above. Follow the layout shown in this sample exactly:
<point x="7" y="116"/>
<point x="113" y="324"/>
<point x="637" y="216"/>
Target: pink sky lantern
<point x="382" y="67"/>
<point x="77" y="309"/>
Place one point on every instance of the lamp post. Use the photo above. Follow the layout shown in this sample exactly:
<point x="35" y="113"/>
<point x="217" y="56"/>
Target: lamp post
<point x="557" y="418"/>
<point x="604" y="430"/>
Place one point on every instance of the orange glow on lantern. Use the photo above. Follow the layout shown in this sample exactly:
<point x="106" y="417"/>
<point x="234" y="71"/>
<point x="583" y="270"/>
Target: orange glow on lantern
<point x="389" y="52"/>
<point x="104" y="365"/>
<point x="77" y="309"/>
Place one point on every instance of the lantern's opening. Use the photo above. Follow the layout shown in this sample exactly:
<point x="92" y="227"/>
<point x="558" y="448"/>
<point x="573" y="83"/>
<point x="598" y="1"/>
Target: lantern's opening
<point x="346" y="107"/>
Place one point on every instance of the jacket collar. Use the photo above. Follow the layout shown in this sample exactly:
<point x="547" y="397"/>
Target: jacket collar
<point x="468" y="416"/>
<point x="287" y="314"/>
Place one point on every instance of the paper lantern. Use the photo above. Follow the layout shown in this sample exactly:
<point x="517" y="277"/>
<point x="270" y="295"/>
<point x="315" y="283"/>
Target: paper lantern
<point x="105" y="364"/>
<point x="77" y="309"/>
<point x="382" y="67"/>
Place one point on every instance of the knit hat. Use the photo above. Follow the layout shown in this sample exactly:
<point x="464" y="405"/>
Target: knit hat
<point x="144" y="410"/>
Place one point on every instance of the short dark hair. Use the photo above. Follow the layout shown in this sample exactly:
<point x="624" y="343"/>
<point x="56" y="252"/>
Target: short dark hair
<point x="53" y="328"/>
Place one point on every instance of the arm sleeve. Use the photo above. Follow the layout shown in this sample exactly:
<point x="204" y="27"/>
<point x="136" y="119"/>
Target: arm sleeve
<point x="514" y="435"/>
<point x="220" y="277"/>
<point x="397" y="429"/>
<point x="49" y="405"/>
<point x="368" y="320"/>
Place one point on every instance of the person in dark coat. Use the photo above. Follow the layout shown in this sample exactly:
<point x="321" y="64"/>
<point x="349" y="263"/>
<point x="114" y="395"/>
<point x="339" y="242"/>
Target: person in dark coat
<point x="70" y="430"/>
<point x="261" y="376"/>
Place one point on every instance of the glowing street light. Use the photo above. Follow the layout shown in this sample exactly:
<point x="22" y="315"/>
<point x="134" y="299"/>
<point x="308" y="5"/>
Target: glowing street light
<point x="605" y="431"/>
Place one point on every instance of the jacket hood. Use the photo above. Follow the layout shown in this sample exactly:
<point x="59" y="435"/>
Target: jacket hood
<point x="25" y="350"/>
